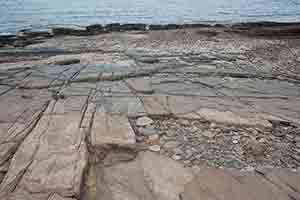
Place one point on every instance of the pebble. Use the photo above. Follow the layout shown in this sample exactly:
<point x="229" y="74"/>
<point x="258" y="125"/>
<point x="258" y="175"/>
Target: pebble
<point x="154" y="148"/>
<point x="178" y="151"/>
<point x="212" y="125"/>
<point x="209" y="134"/>
<point x="153" y="138"/>
<point x="147" y="131"/>
<point x="144" y="121"/>
<point x="139" y="139"/>
<point x="171" y="144"/>
<point x="176" y="157"/>
<point x="235" y="141"/>
<point x="236" y="137"/>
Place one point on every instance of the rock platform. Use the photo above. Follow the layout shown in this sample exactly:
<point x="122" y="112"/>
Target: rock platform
<point x="187" y="114"/>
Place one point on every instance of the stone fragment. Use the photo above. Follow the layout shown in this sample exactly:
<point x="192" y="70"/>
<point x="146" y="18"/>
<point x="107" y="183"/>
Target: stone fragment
<point x="154" y="148"/>
<point x="144" y="121"/>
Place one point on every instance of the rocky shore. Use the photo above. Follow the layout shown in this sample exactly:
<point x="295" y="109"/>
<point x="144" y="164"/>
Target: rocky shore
<point x="27" y="36"/>
<point x="151" y="112"/>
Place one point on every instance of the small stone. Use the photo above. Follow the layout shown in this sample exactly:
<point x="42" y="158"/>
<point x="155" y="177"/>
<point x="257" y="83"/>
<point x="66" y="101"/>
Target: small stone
<point x="278" y="133"/>
<point x="147" y="131"/>
<point x="209" y="134"/>
<point x="144" y="121"/>
<point x="212" y="125"/>
<point x="178" y="151"/>
<point x="185" y="122"/>
<point x="171" y="144"/>
<point x="236" y="137"/>
<point x="262" y="140"/>
<point x="235" y="141"/>
<point x="193" y="129"/>
<point x="139" y="139"/>
<point x="297" y="139"/>
<point x="154" y="137"/>
<point x="249" y="169"/>
<point x="170" y="133"/>
<point x="176" y="157"/>
<point x="154" y="148"/>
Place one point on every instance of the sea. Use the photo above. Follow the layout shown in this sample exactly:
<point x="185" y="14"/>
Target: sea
<point x="16" y="15"/>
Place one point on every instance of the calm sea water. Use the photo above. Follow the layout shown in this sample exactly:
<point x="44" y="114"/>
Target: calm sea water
<point x="19" y="14"/>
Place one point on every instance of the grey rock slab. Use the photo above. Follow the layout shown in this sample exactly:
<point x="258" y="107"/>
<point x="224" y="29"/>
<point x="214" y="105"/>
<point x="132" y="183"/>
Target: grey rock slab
<point x="50" y="160"/>
<point x="122" y="105"/>
<point x="156" y="104"/>
<point x="284" y="109"/>
<point x="67" y="105"/>
<point x="142" y="85"/>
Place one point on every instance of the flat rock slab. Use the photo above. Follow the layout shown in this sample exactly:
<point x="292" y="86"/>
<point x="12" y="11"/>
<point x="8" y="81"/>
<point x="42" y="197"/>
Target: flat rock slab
<point x="148" y="177"/>
<point x="50" y="161"/>
<point x="111" y="129"/>
<point x="215" y="184"/>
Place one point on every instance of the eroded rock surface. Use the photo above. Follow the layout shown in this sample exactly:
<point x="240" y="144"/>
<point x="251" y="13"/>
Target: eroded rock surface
<point x="150" y="115"/>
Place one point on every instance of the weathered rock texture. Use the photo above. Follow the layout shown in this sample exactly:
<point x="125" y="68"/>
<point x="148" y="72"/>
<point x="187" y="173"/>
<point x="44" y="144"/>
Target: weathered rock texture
<point x="78" y="115"/>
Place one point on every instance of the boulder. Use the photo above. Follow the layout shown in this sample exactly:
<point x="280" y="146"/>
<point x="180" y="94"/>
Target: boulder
<point x="95" y="28"/>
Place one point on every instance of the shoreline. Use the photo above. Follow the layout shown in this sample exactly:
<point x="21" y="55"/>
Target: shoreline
<point x="153" y="114"/>
<point x="261" y="28"/>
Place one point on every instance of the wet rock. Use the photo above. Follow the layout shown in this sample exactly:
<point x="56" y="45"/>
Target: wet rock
<point x="95" y="28"/>
<point x="133" y="27"/>
<point x="33" y="34"/>
<point x="70" y="61"/>
<point x="196" y="25"/>
<point x="164" y="27"/>
<point x="148" y="60"/>
<point x="114" y="27"/>
<point x="144" y="121"/>
<point x="69" y="31"/>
